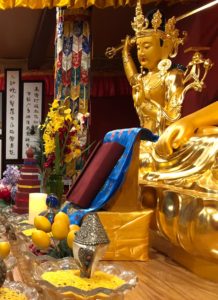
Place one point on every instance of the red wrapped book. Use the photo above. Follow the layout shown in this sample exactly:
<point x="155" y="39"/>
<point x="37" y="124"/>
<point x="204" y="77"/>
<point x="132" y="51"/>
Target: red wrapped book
<point x="94" y="174"/>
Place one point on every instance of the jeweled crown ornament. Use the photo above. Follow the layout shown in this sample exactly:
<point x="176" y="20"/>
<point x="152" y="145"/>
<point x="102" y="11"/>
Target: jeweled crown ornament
<point x="90" y="244"/>
<point x="142" y="27"/>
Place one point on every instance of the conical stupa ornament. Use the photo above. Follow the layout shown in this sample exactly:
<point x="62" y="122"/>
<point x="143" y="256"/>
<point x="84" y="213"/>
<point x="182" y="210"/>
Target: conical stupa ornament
<point x="89" y="245"/>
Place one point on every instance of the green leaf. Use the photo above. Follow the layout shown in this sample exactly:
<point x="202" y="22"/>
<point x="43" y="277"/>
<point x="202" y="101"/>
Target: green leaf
<point x="39" y="150"/>
<point x="57" y="154"/>
<point x="54" y="253"/>
<point x="65" y="250"/>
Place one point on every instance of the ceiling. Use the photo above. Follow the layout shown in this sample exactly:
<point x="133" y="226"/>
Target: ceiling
<point x="27" y="36"/>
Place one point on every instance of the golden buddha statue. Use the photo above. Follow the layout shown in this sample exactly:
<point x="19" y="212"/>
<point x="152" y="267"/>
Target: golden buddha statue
<point x="159" y="89"/>
<point x="179" y="174"/>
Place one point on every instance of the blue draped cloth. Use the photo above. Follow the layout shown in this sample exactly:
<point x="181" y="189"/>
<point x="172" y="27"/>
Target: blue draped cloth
<point x="127" y="138"/>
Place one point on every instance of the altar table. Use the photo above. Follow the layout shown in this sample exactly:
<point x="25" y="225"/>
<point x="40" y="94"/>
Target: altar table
<point x="162" y="279"/>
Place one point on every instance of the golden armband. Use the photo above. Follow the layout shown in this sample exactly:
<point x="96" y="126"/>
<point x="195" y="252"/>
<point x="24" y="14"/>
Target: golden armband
<point x="126" y="58"/>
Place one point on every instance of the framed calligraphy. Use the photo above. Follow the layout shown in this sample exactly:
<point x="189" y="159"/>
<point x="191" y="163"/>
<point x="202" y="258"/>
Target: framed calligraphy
<point x="12" y="89"/>
<point x="32" y="113"/>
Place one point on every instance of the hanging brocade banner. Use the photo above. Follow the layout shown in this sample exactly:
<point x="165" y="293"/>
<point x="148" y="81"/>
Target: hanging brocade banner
<point x="72" y="58"/>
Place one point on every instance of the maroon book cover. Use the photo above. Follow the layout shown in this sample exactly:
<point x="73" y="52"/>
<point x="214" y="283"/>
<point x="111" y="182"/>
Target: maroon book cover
<point x="98" y="167"/>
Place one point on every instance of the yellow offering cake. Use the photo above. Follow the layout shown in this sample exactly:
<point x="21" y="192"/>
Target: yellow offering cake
<point x="62" y="278"/>
<point x="8" y="294"/>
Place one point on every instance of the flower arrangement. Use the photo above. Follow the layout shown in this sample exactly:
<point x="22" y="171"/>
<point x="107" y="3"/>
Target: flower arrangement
<point x="5" y="192"/>
<point x="62" y="136"/>
<point x="8" y="183"/>
<point x="63" y="139"/>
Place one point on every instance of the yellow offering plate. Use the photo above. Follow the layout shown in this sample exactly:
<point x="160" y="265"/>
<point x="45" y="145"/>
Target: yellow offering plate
<point x="17" y="291"/>
<point x="63" y="277"/>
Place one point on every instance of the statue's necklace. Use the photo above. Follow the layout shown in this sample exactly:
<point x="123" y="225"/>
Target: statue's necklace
<point x="152" y="80"/>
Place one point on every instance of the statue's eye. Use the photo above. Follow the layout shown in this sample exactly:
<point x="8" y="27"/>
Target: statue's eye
<point x="146" y="46"/>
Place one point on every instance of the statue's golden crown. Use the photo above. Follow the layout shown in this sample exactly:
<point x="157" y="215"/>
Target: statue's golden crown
<point x="140" y="25"/>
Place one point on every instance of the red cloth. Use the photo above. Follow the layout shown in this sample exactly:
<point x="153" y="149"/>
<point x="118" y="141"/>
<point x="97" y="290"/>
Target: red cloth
<point x="110" y="86"/>
<point x="94" y="174"/>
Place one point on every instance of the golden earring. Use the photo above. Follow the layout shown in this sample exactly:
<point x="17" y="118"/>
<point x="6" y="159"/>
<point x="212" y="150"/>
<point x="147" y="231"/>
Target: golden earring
<point x="164" y="65"/>
<point x="142" y="70"/>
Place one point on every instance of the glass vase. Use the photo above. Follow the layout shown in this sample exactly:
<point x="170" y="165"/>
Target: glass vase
<point x="55" y="185"/>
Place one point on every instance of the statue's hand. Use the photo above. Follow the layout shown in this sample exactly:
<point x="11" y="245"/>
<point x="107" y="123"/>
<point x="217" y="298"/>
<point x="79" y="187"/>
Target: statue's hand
<point x="176" y="135"/>
<point x="128" y="43"/>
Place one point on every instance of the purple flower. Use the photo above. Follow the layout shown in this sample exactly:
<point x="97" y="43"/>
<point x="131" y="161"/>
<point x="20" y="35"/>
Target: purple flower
<point x="11" y="175"/>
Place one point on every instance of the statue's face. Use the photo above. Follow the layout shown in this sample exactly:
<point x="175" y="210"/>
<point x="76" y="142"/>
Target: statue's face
<point x="149" y="52"/>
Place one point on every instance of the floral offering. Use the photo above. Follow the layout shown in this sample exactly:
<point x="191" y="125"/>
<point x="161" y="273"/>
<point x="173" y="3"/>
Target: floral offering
<point x="8" y="183"/>
<point x="5" y="192"/>
<point x="62" y="135"/>
<point x="11" y="175"/>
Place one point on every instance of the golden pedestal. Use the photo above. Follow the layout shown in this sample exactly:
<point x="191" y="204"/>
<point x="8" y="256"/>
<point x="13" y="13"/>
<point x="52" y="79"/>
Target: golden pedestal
<point x="185" y="227"/>
<point x="204" y="268"/>
<point x="185" y="190"/>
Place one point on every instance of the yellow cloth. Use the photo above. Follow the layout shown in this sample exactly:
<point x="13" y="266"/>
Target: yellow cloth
<point x="128" y="234"/>
<point x="39" y="4"/>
